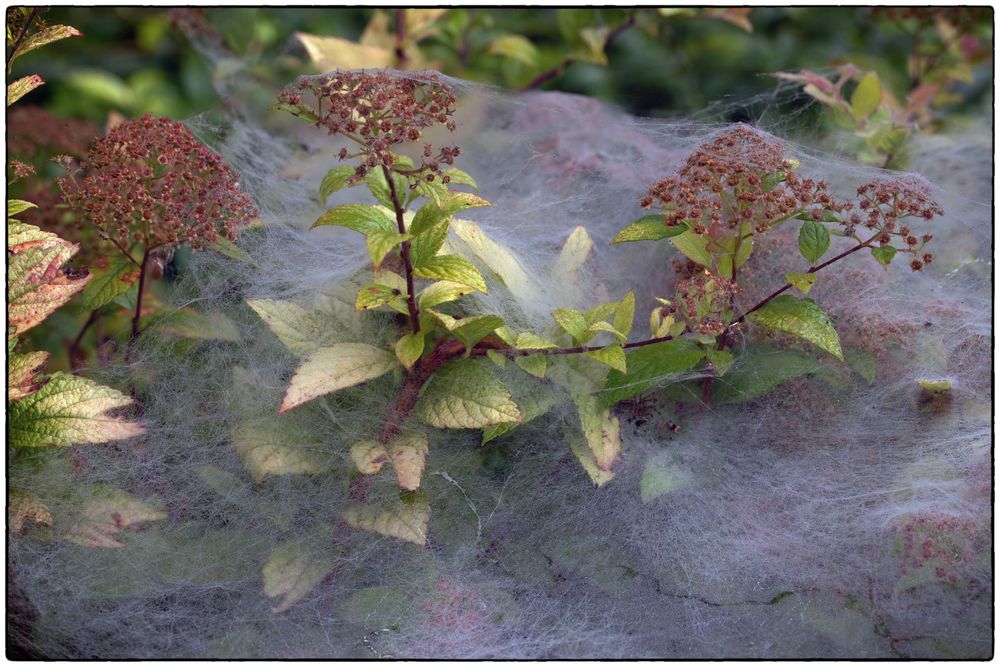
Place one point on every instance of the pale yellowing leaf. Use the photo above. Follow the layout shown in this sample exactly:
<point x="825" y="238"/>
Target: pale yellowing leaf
<point x="402" y="521"/>
<point x="105" y="513"/>
<point x="407" y="453"/>
<point x="296" y="327"/>
<point x="22" y="87"/>
<point x="453" y="269"/>
<point x="409" y="348"/>
<point x="292" y="571"/>
<point x="534" y="364"/>
<point x="268" y="449"/>
<point x="69" y="410"/>
<point x="612" y="355"/>
<point x="336" y="367"/>
<point x="24" y="505"/>
<point x="498" y="258"/>
<point x="466" y="394"/>
<point x="22" y="374"/>
<point x="574" y="253"/>
<point x="442" y="291"/>
<point x="581" y="450"/>
<point x="601" y="430"/>
<point x="329" y="53"/>
<point x="108" y="284"/>
<point x="515" y="47"/>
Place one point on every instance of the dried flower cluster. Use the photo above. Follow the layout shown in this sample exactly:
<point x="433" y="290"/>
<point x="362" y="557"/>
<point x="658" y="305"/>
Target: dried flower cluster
<point x="150" y="181"/>
<point x="939" y="541"/>
<point x="740" y="177"/>
<point x="884" y="204"/>
<point x="378" y="111"/>
<point x="702" y="300"/>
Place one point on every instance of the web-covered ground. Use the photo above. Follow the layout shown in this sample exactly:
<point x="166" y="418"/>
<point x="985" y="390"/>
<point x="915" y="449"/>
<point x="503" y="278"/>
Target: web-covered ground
<point x="845" y="514"/>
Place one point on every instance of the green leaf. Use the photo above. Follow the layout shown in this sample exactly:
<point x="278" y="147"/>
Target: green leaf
<point x="15" y="206"/>
<point x="227" y="248"/>
<point x="612" y="355"/>
<point x="533" y="364"/>
<point x="403" y="521"/>
<point x="102" y="513"/>
<point x="22" y="373"/>
<point x="470" y="330"/>
<point x="409" y="348"/>
<point x="660" y="476"/>
<point x="46" y="35"/>
<point x="108" y="285"/>
<point x="649" y="228"/>
<point x="293" y="570"/>
<point x="803" y="282"/>
<point x="581" y="450"/>
<point x="601" y="326"/>
<point x="466" y="394"/>
<point x="884" y="255"/>
<point x="694" y="246"/>
<point x="861" y="362"/>
<point x="935" y="386"/>
<point x="363" y="218"/>
<point x="22" y="87"/>
<point x="69" y="410"/>
<point x="734" y="256"/>
<point x="498" y="258"/>
<point x="650" y="366"/>
<point x="190" y="323"/>
<point x="335" y="179"/>
<point x="298" y="329"/>
<point x="459" y="177"/>
<point x="335" y="367"/>
<point x="434" y="212"/>
<point x="721" y="361"/>
<point x="814" y="239"/>
<point x="761" y="369"/>
<point x="866" y="96"/>
<point x="573" y="323"/>
<point x="799" y="317"/>
<point x="601" y="429"/>
<point x="379" y="244"/>
<point x="534" y="398"/>
<point x="427" y="244"/>
<point x="515" y="47"/>
<point x="436" y="191"/>
<point x="573" y="255"/>
<point x="375" y="295"/>
<point x="443" y="291"/>
<point x="529" y="341"/>
<point x="270" y="447"/>
<point x="625" y="314"/>
<point x="379" y="187"/>
<point x="452" y="268"/>
<point x="297" y="110"/>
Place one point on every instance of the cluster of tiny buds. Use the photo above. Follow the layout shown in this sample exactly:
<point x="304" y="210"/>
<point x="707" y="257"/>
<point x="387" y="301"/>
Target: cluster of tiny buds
<point x="739" y="177"/>
<point x="885" y="204"/>
<point x="701" y="300"/>
<point x="936" y="539"/>
<point x="150" y="181"/>
<point x="378" y="111"/>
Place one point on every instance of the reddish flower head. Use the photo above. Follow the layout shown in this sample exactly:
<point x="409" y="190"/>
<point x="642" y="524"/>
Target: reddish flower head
<point x="149" y="180"/>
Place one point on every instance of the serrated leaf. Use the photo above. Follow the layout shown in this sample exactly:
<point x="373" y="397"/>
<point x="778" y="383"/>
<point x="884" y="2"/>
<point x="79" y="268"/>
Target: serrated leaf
<point x="459" y="177"/>
<point x="604" y="327"/>
<point x="884" y="255"/>
<point x="24" y="505"/>
<point x="866" y="96"/>
<point x="573" y="323"/>
<point x="722" y="361"/>
<point x="498" y="258"/>
<point x="694" y="247"/>
<point x="799" y="317"/>
<point x="22" y="374"/>
<point x="453" y="269"/>
<point x="292" y="571"/>
<point x="407" y="454"/>
<point x="814" y="239"/>
<point x="761" y="369"/>
<point x="22" y="87"/>
<point x="375" y="295"/>
<point x="69" y="410"/>
<point x="581" y="450"/>
<point x="529" y="341"/>
<point x="612" y="355"/>
<point x="403" y="521"/>
<point x="648" y="228"/>
<point x="362" y="218"/>
<point x="499" y="360"/>
<point x="105" y="512"/>
<point x="803" y="282"/>
<point x="106" y="286"/>
<point x="470" y="330"/>
<point x="515" y="47"/>
<point x="427" y="244"/>
<point x="601" y="429"/>
<point x="650" y="366"/>
<point x="379" y="187"/>
<point x="409" y="348"/>
<point x="333" y="368"/>
<point x="625" y="315"/>
<point x="46" y="35"/>
<point x="36" y="284"/>
<point x="466" y="394"/>
<point x="435" y="212"/>
<point x="297" y="328"/>
<point x="573" y="254"/>
<point x="379" y="244"/>
<point x="335" y="179"/>
<point x="534" y="398"/>
<point x="533" y="364"/>
<point x="442" y="291"/>
<point x="267" y="447"/>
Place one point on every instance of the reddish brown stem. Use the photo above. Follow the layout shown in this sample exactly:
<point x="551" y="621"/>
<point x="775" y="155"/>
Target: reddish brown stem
<point x="559" y="69"/>
<point x="138" y="306"/>
<point x="74" y="347"/>
<point x="401" y="38"/>
<point x="20" y="38"/>
<point x="422" y="371"/>
<point x="404" y="252"/>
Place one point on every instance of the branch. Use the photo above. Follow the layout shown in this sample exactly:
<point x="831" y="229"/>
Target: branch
<point x="138" y="306"/>
<point x="400" y="38"/>
<point x="20" y="38"/>
<point x="411" y="299"/>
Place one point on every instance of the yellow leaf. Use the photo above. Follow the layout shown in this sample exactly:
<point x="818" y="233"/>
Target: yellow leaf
<point x="403" y="521"/>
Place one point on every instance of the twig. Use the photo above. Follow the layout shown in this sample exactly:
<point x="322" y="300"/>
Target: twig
<point x="560" y="69"/>
<point x="20" y="38"/>
<point x="138" y="307"/>
<point x="75" y="345"/>
<point x="411" y="299"/>
<point x="401" y="38"/>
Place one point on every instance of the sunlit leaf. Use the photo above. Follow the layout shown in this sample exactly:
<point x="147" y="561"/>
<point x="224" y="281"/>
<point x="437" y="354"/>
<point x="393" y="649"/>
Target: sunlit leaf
<point x="107" y="285"/>
<point x="453" y="269"/>
<point x="498" y="258"/>
<point x="69" y="410"/>
<point x="434" y="212"/>
<point x="573" y="323"/>
<point x="363" y="218"/>
<point x="648" y="228"/>
<point x="799" y="317"/>
<point x="515" y="47"/>
<point x="601" y="429"/>
<point x="22" y="374"/>
<point x="333" y="368"/>
<point x="46" y="35"/>
<point x="573" y="255"/>
<point x="442" y="291"/>
<point x="266" y="447"/>
<point x="22" y="87"/>
<point x="409" y="348"/>
<point x="329" y="53"/>
<point x="466" y="394"/>
<point x="298" y="329"/>
<point x="611" y="355"/>
<point x="651" y="366"/>
<point x="866" y="96"/>
<point x="803" y="282"/>
<point x="694" y="247"/>
<point x="379" y="244"/>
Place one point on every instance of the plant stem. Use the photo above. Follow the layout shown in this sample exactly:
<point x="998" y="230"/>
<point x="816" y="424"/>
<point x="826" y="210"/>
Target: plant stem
<point x="411" y="299"/>
<point x="483" y="346"/>
<point x="138" y="306"/>
<point x="75" y="345"/>
<point x="560" y="69"/>
<point x="401" y="38"/>
<point x="20" y="38"/>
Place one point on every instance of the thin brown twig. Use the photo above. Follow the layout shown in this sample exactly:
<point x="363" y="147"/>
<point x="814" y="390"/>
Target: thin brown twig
<point x="20" y="38"/>
<point x="560" y="69"/>
<point x="404" y="251"/>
